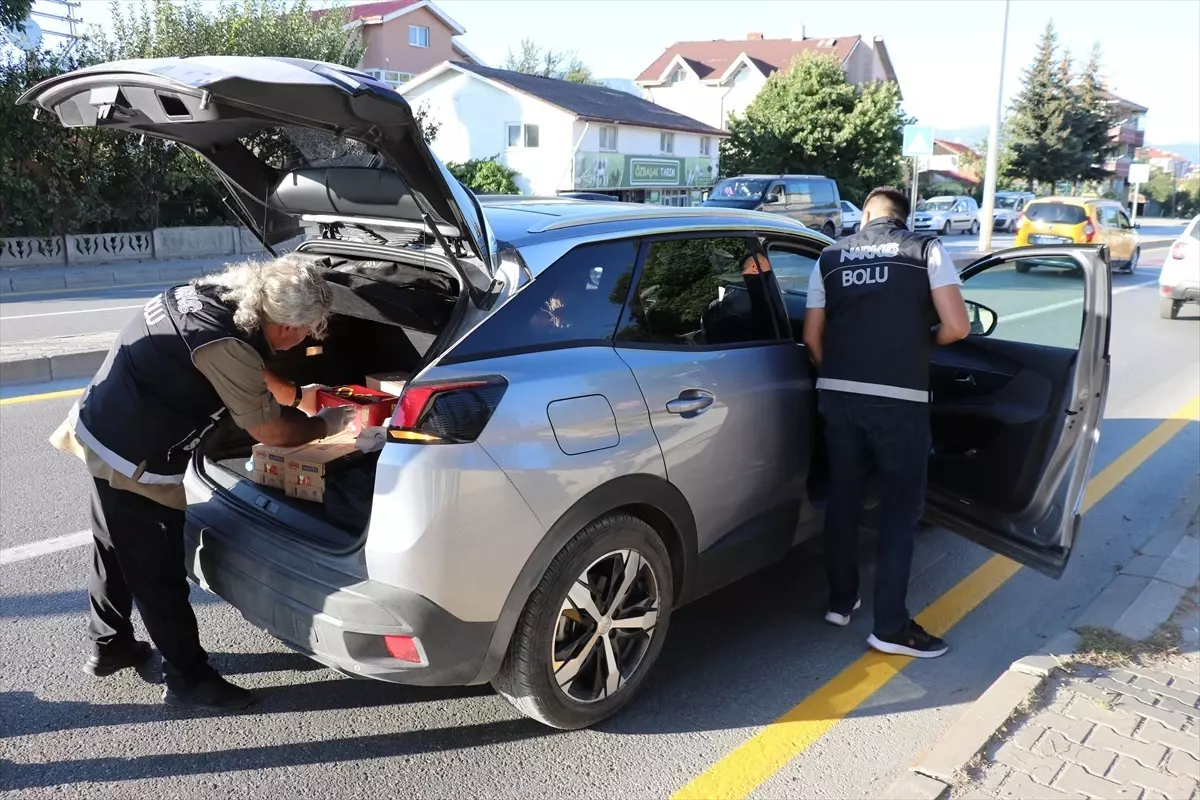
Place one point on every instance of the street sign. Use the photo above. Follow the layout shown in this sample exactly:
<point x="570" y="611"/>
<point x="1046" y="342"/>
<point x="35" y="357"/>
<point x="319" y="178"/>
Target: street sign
<point x="1139" y="173"/>
<point x="918" y="140"/>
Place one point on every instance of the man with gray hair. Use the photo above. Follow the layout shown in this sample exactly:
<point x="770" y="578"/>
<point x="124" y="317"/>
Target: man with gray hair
<point x="194" y="353"/>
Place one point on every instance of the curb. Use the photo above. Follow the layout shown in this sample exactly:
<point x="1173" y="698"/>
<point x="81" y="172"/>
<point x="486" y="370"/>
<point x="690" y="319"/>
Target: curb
<point x="61" y="358"/>
<point x="1139" y="599"/>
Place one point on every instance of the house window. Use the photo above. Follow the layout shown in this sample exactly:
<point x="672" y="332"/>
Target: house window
<point x="391" y="77"/>
<point x="418" y="36"/>
<point x="705" y="146"/>
<point x="519" y="135"/>
<point x="677" y="76"/>
<point x="608" y="137"/>
<point x="666" y="142"/>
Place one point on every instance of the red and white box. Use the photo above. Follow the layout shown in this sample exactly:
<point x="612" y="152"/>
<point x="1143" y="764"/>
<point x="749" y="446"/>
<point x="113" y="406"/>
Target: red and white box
<point x="375" y="408"/>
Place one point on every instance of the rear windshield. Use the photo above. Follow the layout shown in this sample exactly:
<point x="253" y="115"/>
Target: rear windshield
<point x="1056" y="212"/>
<point x="1007" y="202"/>
<point x="288" y="148"/>
<point x="937" y="204"/>
<point x="738" y="189"/>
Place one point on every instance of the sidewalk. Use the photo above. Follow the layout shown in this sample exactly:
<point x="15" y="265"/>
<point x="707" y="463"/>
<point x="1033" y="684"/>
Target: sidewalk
<point x="1109" y="710"/>
<point x="17" y="281"/>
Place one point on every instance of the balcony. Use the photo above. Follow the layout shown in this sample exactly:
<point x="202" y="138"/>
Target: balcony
<point x="1118" y="168"/>
<point x="1126" y="134"/>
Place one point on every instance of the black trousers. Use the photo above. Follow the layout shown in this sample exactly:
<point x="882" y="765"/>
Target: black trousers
<point x="891" y="438"/>
<point x="137" y="558"/>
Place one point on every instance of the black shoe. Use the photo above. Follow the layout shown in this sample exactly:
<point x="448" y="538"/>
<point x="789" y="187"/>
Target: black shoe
<point x="912" y="640"/>
<point x="211" y="694"/>
<point x="115" y="659"/>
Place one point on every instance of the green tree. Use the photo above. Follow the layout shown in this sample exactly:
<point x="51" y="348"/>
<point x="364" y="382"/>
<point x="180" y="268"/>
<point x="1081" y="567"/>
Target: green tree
<point x="533" y="59"/>
<point x="1040" y="121"/>
<point x="14" y="12"/>
<point x="486" y="176"/>
<point x="1092" y="121"/>
<point x="810" y="119"/>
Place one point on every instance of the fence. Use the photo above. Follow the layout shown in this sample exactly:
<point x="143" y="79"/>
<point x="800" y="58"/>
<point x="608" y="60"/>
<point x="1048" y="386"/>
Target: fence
<point x="101" y="248"/>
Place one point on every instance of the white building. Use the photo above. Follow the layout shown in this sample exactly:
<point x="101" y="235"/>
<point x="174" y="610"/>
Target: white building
<point x="564" y="137"/>
<point x="710" y="80"/>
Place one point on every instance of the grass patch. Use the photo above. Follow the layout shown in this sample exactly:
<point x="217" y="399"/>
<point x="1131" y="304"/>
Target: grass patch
<point x="1101" y="647"/>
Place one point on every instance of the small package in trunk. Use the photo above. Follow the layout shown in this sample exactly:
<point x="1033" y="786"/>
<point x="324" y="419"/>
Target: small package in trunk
<point x="375" y="408"/>
<point x="388" y="382"/>
<point x="270" y="464"/>
<point x="310" y="467"/>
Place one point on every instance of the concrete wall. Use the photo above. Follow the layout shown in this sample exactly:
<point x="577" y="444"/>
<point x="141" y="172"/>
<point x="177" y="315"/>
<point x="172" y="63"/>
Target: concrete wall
<point x="18" y="252"/>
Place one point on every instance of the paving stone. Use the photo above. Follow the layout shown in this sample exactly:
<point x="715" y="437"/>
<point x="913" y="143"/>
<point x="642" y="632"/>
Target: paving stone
<point x="1171" y="704"/>
<point x="1126" y="770"/>
<point x="1172" y="719"/>
<point x="1021" y="787"/>
<point x="1146" y="674"/>
<point x="1106" y="684"/>
<point x="1028" y="734"/>
<point x="1096" y="762"/>
<point x="912" y="786"/>
<point x="1041" y="768"/>
<point x="1086" y="709"/>
<point x="1188" y="685"/>
<point x="1153" y="731"/>
<point x="1076" y="779"/>
<point x="1148" y="754"/>
<point x="1074" y="729"/>
<point x="993" y="777"/>
<point x="1188" y="669"/>
<point x="1181" y="763"/>
<point x="1180" y="690"/>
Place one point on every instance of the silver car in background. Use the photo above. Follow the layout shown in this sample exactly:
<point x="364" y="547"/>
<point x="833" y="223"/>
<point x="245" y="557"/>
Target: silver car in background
<point x="948" y="214"/>
<point x="1009" y="206"/>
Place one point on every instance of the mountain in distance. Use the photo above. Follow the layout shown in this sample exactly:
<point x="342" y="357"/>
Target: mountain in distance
<point x="971" y="136"/>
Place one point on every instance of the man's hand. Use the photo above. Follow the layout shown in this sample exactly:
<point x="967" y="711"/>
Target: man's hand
<point x="289" y="429"/>
<point x="952" y="312"/>
<point x="336" y="418"/>
<point x="814" y="332"/>
<point x="308" y="399"/>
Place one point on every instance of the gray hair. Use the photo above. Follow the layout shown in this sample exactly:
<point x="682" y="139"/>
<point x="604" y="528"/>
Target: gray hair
<point x="288" y="290"/>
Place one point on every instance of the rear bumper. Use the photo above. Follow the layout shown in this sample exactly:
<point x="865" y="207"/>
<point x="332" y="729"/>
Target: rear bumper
<point x="1182" y="291"/>
<point x="335" y="617"/>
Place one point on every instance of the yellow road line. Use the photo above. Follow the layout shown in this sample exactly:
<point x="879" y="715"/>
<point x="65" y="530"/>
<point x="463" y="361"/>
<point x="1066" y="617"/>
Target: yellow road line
<point x="779" y="743"/>
<point x="33" y="398"/>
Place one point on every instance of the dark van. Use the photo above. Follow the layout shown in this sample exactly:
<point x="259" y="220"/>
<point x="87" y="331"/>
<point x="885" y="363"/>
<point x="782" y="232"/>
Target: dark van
<point x="811" y="199"/>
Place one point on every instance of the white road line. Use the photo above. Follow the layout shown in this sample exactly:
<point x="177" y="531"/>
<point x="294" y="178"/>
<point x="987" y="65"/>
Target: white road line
<point x="10" y="555"/>
<point x="1068" y="303"/>
<point x="79" y="311"/>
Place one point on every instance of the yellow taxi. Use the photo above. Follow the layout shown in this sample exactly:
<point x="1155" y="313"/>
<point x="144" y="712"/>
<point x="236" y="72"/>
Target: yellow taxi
<point x="1080" y="220"/>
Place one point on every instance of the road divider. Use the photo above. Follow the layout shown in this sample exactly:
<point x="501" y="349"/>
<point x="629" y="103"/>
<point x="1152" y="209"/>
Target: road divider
<point x="740" y="773"/>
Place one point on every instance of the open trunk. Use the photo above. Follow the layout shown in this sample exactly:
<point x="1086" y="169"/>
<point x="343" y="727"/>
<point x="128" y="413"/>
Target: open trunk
<point x="387" y="317"/>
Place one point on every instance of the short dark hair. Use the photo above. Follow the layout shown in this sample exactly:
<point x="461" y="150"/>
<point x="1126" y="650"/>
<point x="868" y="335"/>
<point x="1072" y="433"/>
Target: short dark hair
<point x="892" y="202"/>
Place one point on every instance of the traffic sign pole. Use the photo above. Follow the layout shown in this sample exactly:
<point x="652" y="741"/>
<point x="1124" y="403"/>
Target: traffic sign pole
<point x="918" y="142"/>
<point x="912" y="205"/>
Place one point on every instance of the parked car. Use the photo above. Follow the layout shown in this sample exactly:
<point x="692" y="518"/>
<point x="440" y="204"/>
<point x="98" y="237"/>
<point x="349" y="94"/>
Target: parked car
<point x="1080" y="220"/>
<point x="811" y="199"/>
<point x="1179" y="281"/>
<point x="1009" y="206"/>
<point x="590" y="436"/>
<point x="851" y="217"/>
<point x="947" y="214"/>
<point x="600" y="196"/>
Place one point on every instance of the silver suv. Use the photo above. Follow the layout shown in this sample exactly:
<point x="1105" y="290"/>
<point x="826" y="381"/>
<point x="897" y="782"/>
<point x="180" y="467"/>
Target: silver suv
<point x="607" y="413"/>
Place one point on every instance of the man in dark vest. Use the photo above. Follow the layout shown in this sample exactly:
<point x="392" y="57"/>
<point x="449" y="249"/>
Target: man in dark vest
<point x="194" y="353"/>
<point x="877" y="303"/>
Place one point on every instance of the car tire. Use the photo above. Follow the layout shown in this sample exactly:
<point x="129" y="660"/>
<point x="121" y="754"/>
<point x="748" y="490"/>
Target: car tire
<point x="854" y="229"/>
<point x="975" y="227"/>
<point x="1132" y="266"/>
<point x="1021" y="266"/>
<point x="1168" y="308"/>
<point x="528" y="679"/>
<point x="946" y="229"/>
<point x="828" y="229"/>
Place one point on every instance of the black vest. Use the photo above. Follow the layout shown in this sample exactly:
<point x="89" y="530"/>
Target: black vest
<point x="149" y="403"/>
<point x="878" y="313"/>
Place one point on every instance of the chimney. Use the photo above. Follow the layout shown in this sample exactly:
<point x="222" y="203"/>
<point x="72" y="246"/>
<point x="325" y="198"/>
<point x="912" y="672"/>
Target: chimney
<point x="803" y="32"/>
<point x="754" y="37"/>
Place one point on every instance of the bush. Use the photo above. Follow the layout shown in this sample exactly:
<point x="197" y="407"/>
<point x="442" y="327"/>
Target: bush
<point x="486" y="176"/>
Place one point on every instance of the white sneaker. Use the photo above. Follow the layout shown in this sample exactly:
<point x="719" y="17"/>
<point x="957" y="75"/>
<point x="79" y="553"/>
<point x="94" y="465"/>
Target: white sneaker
<point x="842" y="620"/>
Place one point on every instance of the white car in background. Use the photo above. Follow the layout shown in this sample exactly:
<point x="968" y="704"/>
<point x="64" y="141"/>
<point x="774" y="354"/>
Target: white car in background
<point x="1009" y="206"/>
<point x="851" y="217"/>
<point x="948" y="214"/>
<point x="1179" y="281"/>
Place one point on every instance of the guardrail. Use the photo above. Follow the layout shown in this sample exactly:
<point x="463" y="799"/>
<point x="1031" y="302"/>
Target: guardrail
<point x="99" y="248"/>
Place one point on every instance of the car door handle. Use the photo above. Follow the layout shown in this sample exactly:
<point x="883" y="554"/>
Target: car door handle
<point x="690" y="401"/>
<point x="967" y="379"/>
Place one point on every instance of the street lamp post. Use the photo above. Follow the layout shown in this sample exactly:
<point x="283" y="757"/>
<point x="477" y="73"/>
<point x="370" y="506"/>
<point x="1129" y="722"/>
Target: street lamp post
<point x="993" y="155"/>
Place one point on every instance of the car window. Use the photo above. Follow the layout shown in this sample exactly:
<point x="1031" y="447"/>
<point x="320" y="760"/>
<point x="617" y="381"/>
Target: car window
<point x="1123" y="218"/>
<point x="1032" y="301"/>
<point x="700" y="293"/>
<point x="822" y="193"/>
<point x="800" y="192"/>
<point x="792" y="269"/>
<point x="1053" y="212"/>
<point x="779" y="192"/>
<point x="576" y="300"/>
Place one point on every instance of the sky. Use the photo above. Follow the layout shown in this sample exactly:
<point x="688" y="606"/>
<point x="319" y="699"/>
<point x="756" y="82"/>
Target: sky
<point x="946" y="52"/>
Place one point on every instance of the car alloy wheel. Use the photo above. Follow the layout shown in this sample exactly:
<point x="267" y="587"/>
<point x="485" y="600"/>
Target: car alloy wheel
<point x="605" y="626"/>
<point x="946" y="228"/>
<point x="1133" y="260"/>
<point x="828" y="229"/>
<point x="975" y="227"/>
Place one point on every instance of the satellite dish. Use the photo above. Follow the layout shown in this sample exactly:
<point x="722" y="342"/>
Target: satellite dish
<point x="27" y="36"/>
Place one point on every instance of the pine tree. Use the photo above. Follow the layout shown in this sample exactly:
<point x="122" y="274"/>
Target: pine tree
<point x="1093" y="120"/>
<point x="1041" y="119"/>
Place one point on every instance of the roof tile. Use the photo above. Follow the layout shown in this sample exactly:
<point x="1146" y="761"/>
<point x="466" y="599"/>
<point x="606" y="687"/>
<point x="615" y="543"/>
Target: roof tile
<point x="714" y="57"/>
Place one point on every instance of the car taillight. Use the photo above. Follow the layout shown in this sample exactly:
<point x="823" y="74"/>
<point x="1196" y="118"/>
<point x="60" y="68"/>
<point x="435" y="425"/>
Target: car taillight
<point x="1089" y="230"/>
<point x="1020" y="219"/>
<point x="446" y="413"/>
<point x="402" y="648"/>
<point x="1179" y="250"/>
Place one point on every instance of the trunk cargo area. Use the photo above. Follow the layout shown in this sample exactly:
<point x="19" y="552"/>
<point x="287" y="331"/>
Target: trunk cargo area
<point x="385" y="318"/>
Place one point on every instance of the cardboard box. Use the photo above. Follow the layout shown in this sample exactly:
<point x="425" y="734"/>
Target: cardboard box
<point x="309" y="467"/>
<point x="270" y="459"/>
<point x="276" y="480"/>
<point x="389" y="382"/>
<point x="374" y="407"/>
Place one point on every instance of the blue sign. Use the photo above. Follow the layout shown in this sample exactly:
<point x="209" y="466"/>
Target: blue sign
<point x="918" y="140"/>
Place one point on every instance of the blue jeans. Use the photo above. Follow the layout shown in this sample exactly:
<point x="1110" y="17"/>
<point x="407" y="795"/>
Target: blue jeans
<point x="891" y="437"/>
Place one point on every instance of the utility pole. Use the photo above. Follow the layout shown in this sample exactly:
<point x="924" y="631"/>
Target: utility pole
<point x="988" y="212"/>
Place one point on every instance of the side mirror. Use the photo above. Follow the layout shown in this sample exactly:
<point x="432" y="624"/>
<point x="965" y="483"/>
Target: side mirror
<point x="772" y="199"/>
<point x="1137" y="225"/>
<point x="983" y="319"/>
